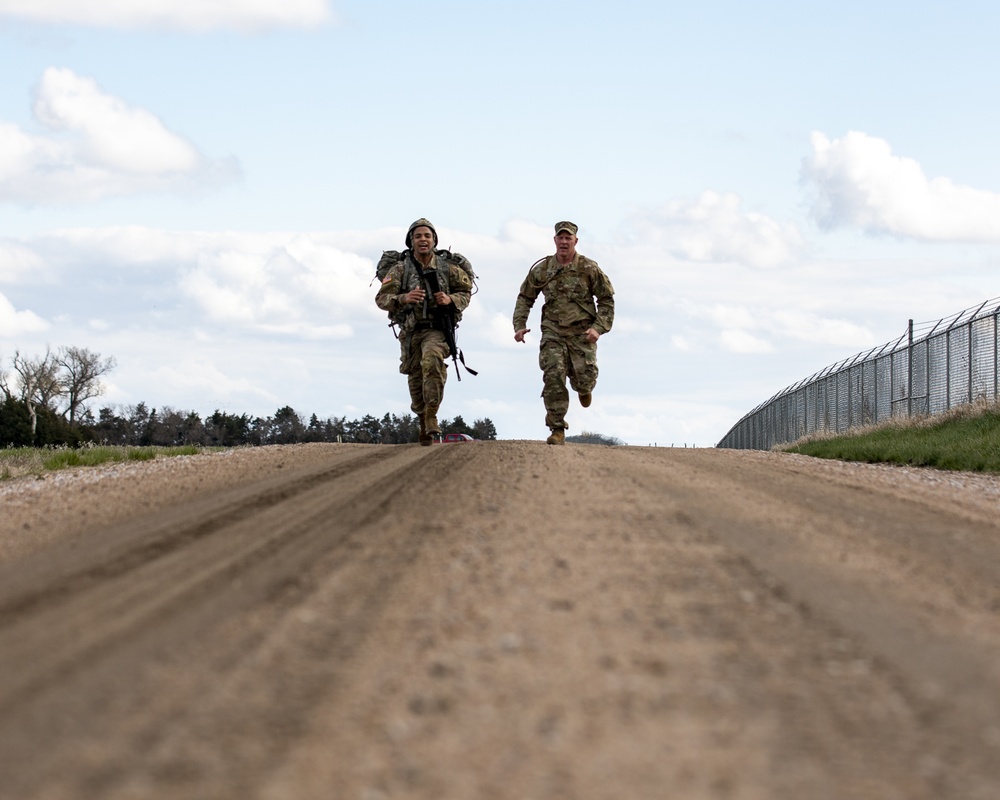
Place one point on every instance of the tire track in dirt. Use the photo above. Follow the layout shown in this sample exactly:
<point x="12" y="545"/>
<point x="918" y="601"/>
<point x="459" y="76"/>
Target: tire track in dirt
<point x="508" y="620"/>
<point x="50" y="579"/>
<point x="80" y="626"/>
<point x="916" y="584"/>
<point x="609" y="623"/>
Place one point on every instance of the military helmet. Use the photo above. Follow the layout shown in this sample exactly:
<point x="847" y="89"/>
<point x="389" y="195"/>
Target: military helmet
<point x="420" y="223"/>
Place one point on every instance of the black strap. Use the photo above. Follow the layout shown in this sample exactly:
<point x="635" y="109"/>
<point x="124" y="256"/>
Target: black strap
<point x="461" y="357"/>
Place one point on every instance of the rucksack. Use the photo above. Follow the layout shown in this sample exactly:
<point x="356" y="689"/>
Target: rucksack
<point x="391" y="258"/>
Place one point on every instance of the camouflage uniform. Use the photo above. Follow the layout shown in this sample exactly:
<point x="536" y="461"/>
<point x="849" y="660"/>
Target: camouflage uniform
<point x="569" y="310"/>
<point x="422" y="347"/>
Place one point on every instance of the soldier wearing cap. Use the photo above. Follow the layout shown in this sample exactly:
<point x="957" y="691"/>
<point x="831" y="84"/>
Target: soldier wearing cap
<point x="423" y="348"/>
<point x="579" y="307"/>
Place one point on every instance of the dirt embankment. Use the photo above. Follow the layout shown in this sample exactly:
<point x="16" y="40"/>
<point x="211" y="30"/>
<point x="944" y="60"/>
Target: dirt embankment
<point x="500" y="620"/>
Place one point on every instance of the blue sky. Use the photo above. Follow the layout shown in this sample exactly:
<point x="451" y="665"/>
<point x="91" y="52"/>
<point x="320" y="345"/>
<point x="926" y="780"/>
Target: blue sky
<point x="202" y="188"/>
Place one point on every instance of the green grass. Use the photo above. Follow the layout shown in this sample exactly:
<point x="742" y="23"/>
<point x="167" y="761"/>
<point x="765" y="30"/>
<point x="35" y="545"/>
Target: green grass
<point x="24" y="461"/>
<point x="967" y="438"/>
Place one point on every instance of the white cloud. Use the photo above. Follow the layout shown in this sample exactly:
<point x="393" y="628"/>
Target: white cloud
<point x="740" y="341"/>
<point x="291" y="284"/>
<point x="17" y="261"/>
<point x="633" y="325"/>
<point x="762" y="330"/>
<point x="860" y="183"/>
<point x="728" y="316"/>
<point x="15" y="323"/>
<point x="808" y="327"/>
<point x="186" y="15"/>
<point x="498" y="328"/>
<point x="198" y="375"/>
<point x="117" y="135"/>
<point x="715" y="227"/>
<point x="97" y="146"/>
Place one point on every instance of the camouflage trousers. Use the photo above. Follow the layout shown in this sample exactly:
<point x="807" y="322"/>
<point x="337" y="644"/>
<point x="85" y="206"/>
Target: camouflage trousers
<point x="423" y="362"/>
<point x="560" y="358"/>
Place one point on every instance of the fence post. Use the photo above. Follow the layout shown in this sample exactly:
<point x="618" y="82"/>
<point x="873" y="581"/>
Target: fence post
<point x="875" y="418"/>
<point x="947" y="369"/>
<point x="909" y="364"/>
<point x="892" y="385"/>
<point x="850" y="398"/>
<point x="971" y="370"/>
<point x="927" y="369"/>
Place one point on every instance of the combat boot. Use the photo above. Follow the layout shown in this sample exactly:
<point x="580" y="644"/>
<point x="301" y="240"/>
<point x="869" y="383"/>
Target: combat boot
<point x="558" y="436"/>
<point x="431" y="422"/>
<point x="424" y="437"/>
<point x="585" y="398"/>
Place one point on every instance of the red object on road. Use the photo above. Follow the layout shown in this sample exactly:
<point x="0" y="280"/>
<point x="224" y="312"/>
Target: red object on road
<point x="449" y="438"/>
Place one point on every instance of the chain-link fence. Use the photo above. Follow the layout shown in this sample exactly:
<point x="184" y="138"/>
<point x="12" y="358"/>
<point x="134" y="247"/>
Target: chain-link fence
<point x="931" y="368"/>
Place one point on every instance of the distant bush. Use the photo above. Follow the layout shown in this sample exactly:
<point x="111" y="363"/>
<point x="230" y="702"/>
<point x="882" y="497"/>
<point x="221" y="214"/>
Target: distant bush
<point x="50" y="429"/>
<point x="594" y="438"/>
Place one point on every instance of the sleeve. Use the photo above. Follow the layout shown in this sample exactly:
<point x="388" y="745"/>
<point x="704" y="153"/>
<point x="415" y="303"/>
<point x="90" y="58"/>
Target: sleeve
<point x="604" y="292"/>
<point x="461" y="287"/>
<point x="526" y="297"/>
<point x="389" y="298"/>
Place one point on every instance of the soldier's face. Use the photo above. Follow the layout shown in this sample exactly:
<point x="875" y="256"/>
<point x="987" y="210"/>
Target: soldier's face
<point x="565" y="244"/>
<point x="423" y="239"/>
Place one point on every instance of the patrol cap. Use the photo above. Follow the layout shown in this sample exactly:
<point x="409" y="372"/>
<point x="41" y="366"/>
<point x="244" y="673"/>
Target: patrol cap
<point x="566" y="226"/>
<point x="420" y="223"/>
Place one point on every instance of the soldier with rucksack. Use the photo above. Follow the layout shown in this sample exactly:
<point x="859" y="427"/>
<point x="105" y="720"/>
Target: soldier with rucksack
<point x="425" y="290"/>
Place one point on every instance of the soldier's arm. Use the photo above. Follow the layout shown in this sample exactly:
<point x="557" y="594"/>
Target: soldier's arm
<point x="526" y="297"/>
<point x="461" y="288"/>
<point x="389" y="297"/>
<point x="604" y="293"/>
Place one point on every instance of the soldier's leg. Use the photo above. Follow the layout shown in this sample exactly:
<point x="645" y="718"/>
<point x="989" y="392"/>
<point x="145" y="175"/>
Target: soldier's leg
<point x="553" y="359"/>
<point x="415" y="383"/>
<point x="410" y="366"/>
<point x="582" y="366"/>
<point x="434" y="374"/>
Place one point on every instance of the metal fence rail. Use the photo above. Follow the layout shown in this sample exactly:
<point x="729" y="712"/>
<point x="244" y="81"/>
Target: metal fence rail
<point x="929" y="369"/>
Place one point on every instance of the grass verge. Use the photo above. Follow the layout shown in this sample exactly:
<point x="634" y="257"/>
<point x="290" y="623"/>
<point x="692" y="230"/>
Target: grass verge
<point x="19" y="462"/>
<point x="965" y="438"/>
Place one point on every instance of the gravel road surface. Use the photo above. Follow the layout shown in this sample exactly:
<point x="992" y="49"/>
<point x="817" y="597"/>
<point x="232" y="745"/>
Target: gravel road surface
<point x="499" y="620"/>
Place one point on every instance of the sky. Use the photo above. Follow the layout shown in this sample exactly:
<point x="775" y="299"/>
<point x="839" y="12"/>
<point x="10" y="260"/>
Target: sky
<point x="202" y="188"/>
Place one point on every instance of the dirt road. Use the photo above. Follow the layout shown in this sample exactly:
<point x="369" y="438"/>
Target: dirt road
<point x="500" y="620"/>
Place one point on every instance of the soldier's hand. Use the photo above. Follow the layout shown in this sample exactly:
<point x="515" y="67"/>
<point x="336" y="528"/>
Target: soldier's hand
<point x="414" y="296"/>
<point x="519" y="335"/>
<point x="592" y="335"/>
<point x="442" y="299"/>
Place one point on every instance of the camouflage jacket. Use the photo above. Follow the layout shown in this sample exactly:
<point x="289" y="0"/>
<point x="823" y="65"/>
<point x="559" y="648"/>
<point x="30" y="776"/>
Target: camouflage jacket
<point x="405" y="276"/>
<point x="570" y="291"/>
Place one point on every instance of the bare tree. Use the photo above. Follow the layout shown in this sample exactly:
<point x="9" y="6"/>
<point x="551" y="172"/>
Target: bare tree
<point x="39" y="382"/>
<point x="80" y="379"/>
<point x="4" y="385"/>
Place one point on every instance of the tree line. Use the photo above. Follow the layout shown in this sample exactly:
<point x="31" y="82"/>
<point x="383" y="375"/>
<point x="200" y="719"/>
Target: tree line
<point x="140" y="425"/>
<point x="43" y="404"/>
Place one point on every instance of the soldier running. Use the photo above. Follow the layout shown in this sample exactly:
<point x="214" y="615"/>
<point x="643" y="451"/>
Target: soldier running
<point x="423" y="348"/>
<point x="571" y="324"/>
